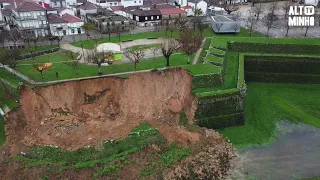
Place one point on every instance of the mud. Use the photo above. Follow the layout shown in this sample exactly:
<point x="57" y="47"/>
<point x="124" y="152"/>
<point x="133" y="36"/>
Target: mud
<point x="295" y="154"/>
<point x="75" y="114"/>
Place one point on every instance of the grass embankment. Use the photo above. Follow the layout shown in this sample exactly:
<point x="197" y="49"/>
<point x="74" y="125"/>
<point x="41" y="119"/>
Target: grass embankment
<point x="38" y="48"/>
<point x="112" y="156"/>
<point x="268" y="103"/>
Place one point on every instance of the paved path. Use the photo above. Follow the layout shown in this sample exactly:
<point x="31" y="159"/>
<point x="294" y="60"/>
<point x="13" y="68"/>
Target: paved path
<point x="196" y="57"/>
<point x="25" y="78"/>
<point x="84" y="52"/>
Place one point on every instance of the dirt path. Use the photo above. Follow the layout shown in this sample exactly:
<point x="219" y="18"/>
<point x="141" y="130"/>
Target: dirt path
<point x="196" y="57"/>
<point x="295" y="154"/>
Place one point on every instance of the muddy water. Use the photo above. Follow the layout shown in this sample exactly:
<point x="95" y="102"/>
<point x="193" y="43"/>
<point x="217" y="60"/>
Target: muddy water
<point x="295" y="154"/>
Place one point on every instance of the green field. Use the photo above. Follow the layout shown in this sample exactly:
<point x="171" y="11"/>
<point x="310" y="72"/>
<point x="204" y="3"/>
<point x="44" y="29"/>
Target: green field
<point x="65" y="71"/>
<point x="53" y="57"/>
<point x="39" y="48"/>
<point x="268" y="103"/>
<point x="12" y="82"/>
<point x="89" y="44"/>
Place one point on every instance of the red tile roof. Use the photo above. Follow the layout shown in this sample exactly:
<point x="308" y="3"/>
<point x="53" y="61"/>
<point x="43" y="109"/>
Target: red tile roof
<point x="169" y="11"/>
<point x="29" y="6"/>
<point x="71" y="19"/>
<point x="116" y="8"/>
<point x="45" y="4"/>
<point x="55" y="18"/>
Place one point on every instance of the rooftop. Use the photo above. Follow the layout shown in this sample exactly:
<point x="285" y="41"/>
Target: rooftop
<point x="116" y="8"/>
<point x="71" y="19"/>
<point x="89" y="6"/>
<point x="169" y="11"/>
<point x="27" y="6"/>
<point x="221" y="19"/>
<point x="54" y="18"/>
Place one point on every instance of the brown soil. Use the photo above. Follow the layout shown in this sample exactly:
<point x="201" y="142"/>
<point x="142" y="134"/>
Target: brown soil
<point x="74" y="114"/>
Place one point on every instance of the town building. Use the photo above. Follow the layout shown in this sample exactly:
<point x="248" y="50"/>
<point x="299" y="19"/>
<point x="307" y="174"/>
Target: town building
<point x="31" y="17"/>
<point x="66" y="24"/>
<point x="198" y="6"/>
<point x="109" y="22"/>
<point x="224" y="24"/>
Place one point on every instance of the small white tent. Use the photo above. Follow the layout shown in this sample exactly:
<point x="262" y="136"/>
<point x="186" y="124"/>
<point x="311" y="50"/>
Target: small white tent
<point x="109" y="47"/>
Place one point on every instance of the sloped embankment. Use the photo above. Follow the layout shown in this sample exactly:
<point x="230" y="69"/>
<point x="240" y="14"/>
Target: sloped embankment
<point x="74" y="114"/>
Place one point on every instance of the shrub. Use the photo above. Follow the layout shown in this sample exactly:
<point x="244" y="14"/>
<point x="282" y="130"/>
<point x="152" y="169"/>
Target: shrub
<point x="206" y="80"/>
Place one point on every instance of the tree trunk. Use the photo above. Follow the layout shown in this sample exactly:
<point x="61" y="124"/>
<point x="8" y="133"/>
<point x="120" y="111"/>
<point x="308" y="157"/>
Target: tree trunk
<point x="305" y="34"/>
<point x="77" y="71"/>
<point x="109" y="36"/>
<point x="188" y="60"/>
<point x="171" y="33"/>
<point x="119" y="37"/>
<point x="35" y="44"/>
<point x="135" y="65"/>
<point x="287" y="31"/>
<point x="268" y="32"/>
<point x="168" y="60"/>
<point x="41" y="74"/>
<point x="99" y="69"/>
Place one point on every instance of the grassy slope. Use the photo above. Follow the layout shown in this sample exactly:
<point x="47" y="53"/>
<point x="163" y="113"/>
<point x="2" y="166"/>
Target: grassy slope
<point x="53" y="57"/>
<point x="268" y="103"/>
<point x="66" y="72"/>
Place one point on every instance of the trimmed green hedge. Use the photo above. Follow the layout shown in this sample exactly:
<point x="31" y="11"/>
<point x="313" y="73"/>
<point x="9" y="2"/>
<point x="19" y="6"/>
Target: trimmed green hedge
<point x="206" y="80"/>
<point x="279" y="64"/>
<point x="217" y="106"/>
<point x="219" y="122"/>
<point x="282" y="78"/>
<point x="273" y="48"/>
<point x="241" y="81"/>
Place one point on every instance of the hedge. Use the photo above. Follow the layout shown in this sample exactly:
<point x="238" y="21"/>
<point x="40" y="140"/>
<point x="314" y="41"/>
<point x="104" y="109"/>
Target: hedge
<point x="241" y="81"/>
<point x="206" y="80"/>
<point x="273" y="48"/>
<point x="279" y="64"/>
<point x="219" y="122"/>
<point x="220" y="93"/>
<point x="282" y="78"/>
<point x="217" y="106"/>
<point x="39" y="53"/>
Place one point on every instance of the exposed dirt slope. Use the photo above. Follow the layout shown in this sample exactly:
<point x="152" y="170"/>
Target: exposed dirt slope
<point x="79" y="113"/>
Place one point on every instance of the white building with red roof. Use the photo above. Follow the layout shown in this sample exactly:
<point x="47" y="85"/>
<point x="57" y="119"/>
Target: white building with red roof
<point x="66" y="24"/>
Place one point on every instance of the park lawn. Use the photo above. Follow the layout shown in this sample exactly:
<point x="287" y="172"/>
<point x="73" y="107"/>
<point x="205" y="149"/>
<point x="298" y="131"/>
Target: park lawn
<point x="268" y="103"/>
<point x="66" y="72"/>
<point x="39" y="48"/>
<point x="198" y="69"/>
<point x="52" y="57"/>
<point x="89" y="44"/>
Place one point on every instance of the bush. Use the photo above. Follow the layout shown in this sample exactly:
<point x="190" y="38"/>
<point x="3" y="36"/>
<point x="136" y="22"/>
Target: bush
<point x="273" y="48"/>
<point x="206" y="80"/>
<point x="282" y="78"/>
<point x="282" y="64"/>
<point x="219" y="122"/>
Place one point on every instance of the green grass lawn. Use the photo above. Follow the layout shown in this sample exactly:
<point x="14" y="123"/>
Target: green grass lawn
<point x="65" y="71"/>
<point x="39" y="48"/>
<point x="198" y="69"/>
<point x="12" y="82"/>
<point x="89" y="44"/>
<point x="203" y="53"/>
<point x="268" y="103"/>
<point x="52" y="57"/>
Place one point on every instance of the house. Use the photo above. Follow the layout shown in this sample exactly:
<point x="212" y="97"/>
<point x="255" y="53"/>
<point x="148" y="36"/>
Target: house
<point x="31" y="17"/>
<point x="3" y="24"/>
<point x="169" y="14"/>
<point x="74" y="24"/>
<point x="59" y="3"/>
<point x="116" y="10"/>
<point x="198" y="6"/>
<point x="89" y="8"/>
<point x="58" y="26"/>
<point x="224" y="24"/>
<point x="62" y="11"/>
<point x="107" y="3"/>
<point x="146" y="17"/>
<point x="188" y="9"/>
<point x="108" y="22"/>
<point x="65" y="25"/>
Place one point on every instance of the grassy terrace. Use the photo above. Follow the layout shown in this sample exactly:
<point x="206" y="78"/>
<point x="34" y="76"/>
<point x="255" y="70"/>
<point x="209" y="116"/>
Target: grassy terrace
<point x="89" y="44"/>
<point x="267" y="103"/>
<point x="65" y="71"/>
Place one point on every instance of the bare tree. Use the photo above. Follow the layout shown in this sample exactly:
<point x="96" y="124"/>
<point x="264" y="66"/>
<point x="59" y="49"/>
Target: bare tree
<point x="306" y="32"/>
<point x="251" y="22"/>
<point x="270" y="19"/>
<point x="201" y="27"/>
<point x="35" y="40"/>
<point x="258" y="10"/>
<point x="99" y="58"/>
<point x="109" y="31"/>
<point x="135" y="54"/>
<point x="157" y="27"/>
<point x="154" y="51"/>
<point x="3" y="35"/>
<point x="286" y="7"/>
<point x="88" y="27"/>
<point x="14" y="35"/>
<point x="190" y="43"/>
<point x="218" y="26"/>
<point x="230" y="7"/>
<point x="166" y="24"/>
<point x="287" y="27"/>
<point x="26" y="37"/>
<point x="235" y="27"/>
<point x="172" y="27"/>
<point x="58" y="39"/>
<point x="10" y="57"/>
<point x="119" y="29"/>
<point x="71" y="60"/>
<point x="168" y="46"/>
<point x="181" y="24"/>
